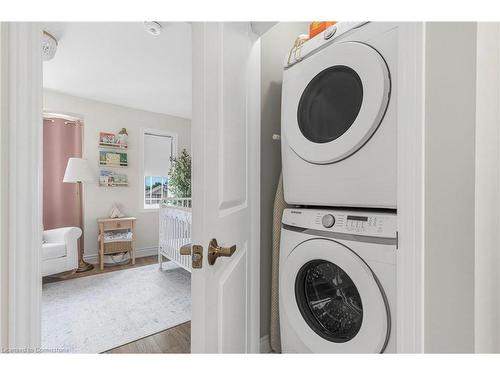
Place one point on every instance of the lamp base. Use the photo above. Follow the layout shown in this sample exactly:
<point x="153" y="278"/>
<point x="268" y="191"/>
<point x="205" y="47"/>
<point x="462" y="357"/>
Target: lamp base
<point x="83" y="266"/>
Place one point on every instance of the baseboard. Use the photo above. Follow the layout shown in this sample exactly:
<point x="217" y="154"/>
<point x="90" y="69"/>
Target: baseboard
<point x="139" y="253"/>
<point x="265" y="344"/>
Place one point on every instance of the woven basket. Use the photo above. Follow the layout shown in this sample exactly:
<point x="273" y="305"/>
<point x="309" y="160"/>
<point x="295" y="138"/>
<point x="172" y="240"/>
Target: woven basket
<point x="117" y="247"/>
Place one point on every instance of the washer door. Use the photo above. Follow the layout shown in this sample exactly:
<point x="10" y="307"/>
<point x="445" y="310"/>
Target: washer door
<point x="332" y="299"/>
<point x="334" y="101"/>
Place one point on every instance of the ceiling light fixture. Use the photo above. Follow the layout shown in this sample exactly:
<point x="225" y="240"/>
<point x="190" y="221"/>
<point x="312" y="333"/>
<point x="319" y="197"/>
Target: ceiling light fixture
<point x="49" y="46"/>
<point x="152" y="27"/>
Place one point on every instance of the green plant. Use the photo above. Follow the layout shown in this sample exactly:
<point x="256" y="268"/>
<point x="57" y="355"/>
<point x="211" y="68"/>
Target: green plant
<point x="179" y="176"/>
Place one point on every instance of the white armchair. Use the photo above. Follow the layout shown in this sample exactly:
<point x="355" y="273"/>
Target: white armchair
<point x="60" y="250"/>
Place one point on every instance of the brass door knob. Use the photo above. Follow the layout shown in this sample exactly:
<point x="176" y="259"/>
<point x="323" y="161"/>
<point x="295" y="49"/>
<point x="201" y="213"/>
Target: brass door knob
<point x="215" y="251"/>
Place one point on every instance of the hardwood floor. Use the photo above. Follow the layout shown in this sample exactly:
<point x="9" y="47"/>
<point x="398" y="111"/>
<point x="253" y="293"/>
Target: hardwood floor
<point x="173" y="340"/>
<point x="139" y="262"/>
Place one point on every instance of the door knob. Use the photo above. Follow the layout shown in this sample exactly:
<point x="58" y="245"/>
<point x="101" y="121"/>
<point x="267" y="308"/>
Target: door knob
<point x="215" y="251"/>
<point x="196" y="255"/>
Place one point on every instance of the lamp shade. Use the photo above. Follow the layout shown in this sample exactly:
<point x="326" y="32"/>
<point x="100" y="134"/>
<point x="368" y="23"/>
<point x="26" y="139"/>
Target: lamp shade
<point x="78" y="170"/>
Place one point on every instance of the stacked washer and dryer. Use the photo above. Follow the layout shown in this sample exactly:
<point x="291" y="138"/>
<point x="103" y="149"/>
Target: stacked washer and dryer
<point x="337" y="285"/>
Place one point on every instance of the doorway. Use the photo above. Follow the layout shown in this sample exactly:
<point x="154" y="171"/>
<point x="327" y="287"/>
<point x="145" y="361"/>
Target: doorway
<point x="23" y="295"/>
<point x="136" y="149"/>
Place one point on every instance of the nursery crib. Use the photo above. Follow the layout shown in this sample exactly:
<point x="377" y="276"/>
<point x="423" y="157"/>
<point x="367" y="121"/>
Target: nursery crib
<point x="175" y="231"/>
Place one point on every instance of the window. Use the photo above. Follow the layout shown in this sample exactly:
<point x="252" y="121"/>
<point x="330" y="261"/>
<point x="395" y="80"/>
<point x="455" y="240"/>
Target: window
<point x="155" y="189"/>
<point x="158" y="148"/>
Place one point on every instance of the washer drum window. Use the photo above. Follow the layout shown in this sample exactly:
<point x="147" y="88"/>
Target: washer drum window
<point x="329" y="301"/>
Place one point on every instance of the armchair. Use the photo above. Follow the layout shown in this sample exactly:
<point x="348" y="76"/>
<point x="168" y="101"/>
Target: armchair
<point x="60" y="250"/>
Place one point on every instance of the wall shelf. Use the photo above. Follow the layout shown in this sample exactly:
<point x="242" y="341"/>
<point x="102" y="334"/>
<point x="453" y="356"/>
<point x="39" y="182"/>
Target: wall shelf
<point x="111" y="140"/>
<point x="113" y="159"/>
<point x="112" y="179"/>
<point x="113" y="185"/>
<point x="113" y="146"/>
<point x="112" y="155"/>
<point x="113" y="165"/>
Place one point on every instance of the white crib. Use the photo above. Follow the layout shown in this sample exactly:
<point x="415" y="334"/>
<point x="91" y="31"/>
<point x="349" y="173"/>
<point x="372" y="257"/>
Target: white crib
<point x="175" y="231"/>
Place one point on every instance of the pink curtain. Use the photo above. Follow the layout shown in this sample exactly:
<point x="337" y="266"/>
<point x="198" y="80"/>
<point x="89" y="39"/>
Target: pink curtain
<point x="62" y="204"/>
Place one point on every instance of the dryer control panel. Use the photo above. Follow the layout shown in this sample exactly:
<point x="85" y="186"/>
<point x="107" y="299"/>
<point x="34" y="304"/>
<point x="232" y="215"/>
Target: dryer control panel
<point x="363" y="223"/>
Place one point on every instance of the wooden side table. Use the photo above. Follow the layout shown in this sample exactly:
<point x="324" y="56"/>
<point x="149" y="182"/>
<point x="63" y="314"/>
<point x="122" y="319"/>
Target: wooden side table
<point x="121" y="224"/>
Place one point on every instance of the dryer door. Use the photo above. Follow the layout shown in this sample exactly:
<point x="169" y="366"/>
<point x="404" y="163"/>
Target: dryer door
<point x="333" y="101"/>
<point x="332" y="299"/>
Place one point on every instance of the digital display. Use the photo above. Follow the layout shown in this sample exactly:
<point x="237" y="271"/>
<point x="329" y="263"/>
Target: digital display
<point x="357" y="218"/>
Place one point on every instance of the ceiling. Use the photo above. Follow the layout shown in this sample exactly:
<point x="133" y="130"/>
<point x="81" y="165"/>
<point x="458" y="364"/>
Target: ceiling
<point x="120" y="63"/>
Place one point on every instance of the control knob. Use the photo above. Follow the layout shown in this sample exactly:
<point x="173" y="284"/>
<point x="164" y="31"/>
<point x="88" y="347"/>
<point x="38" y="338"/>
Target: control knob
<point x="328" y="220"/>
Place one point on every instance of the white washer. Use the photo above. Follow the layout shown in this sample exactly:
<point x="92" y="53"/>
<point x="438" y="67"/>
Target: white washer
<point x="337" y="284"/>
<point x="339" y="115"/>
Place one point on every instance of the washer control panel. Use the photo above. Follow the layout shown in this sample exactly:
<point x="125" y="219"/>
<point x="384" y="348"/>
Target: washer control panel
<point x="364" y="223"/>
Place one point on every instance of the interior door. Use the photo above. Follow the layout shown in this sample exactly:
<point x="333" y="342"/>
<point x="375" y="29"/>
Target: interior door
<point x="226" y="138"/>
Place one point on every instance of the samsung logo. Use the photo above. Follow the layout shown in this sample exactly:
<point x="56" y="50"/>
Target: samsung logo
<point x="296" y="212"/>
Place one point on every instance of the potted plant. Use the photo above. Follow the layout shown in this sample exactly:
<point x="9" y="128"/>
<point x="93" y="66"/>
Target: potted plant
<point x="179" y="176"/>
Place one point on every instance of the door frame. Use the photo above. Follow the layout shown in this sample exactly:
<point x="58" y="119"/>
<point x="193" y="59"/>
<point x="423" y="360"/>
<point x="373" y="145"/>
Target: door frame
<point x="21" y="218"/>
<point x="411" y="188"/>
<point x="21" y="127"/>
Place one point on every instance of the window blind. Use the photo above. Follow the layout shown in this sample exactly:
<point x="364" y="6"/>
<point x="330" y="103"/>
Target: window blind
<point x="157" y="153"/>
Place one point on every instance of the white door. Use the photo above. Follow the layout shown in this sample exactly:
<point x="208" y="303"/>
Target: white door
<point x="226" y="180"/>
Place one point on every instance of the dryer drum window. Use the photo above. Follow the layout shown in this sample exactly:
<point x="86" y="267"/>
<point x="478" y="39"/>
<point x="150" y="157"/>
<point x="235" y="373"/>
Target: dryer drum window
<point x="328" y="301"/>
<point x="329" y="104"/>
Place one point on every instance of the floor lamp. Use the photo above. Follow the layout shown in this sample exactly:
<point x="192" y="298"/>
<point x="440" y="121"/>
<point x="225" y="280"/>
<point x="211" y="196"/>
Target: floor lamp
<point x="78" y="171"/>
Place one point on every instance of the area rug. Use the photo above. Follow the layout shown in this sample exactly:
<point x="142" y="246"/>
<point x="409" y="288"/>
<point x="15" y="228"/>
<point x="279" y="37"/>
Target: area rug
<point x="96" y="313"/>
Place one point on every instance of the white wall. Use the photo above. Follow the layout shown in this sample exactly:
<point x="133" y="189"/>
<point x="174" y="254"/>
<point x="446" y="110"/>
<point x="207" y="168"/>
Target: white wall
<point x="449" y="186"/>
<point x="97" y="117"/>
<point x="487" y="257"/>
<point x="275" y="44"/>
<point x="3" y="204"/>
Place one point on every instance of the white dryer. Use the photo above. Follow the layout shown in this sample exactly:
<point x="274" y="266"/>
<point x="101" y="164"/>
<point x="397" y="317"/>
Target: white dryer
<point x="337" y="283"/>
<point x="339" y="118"/>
